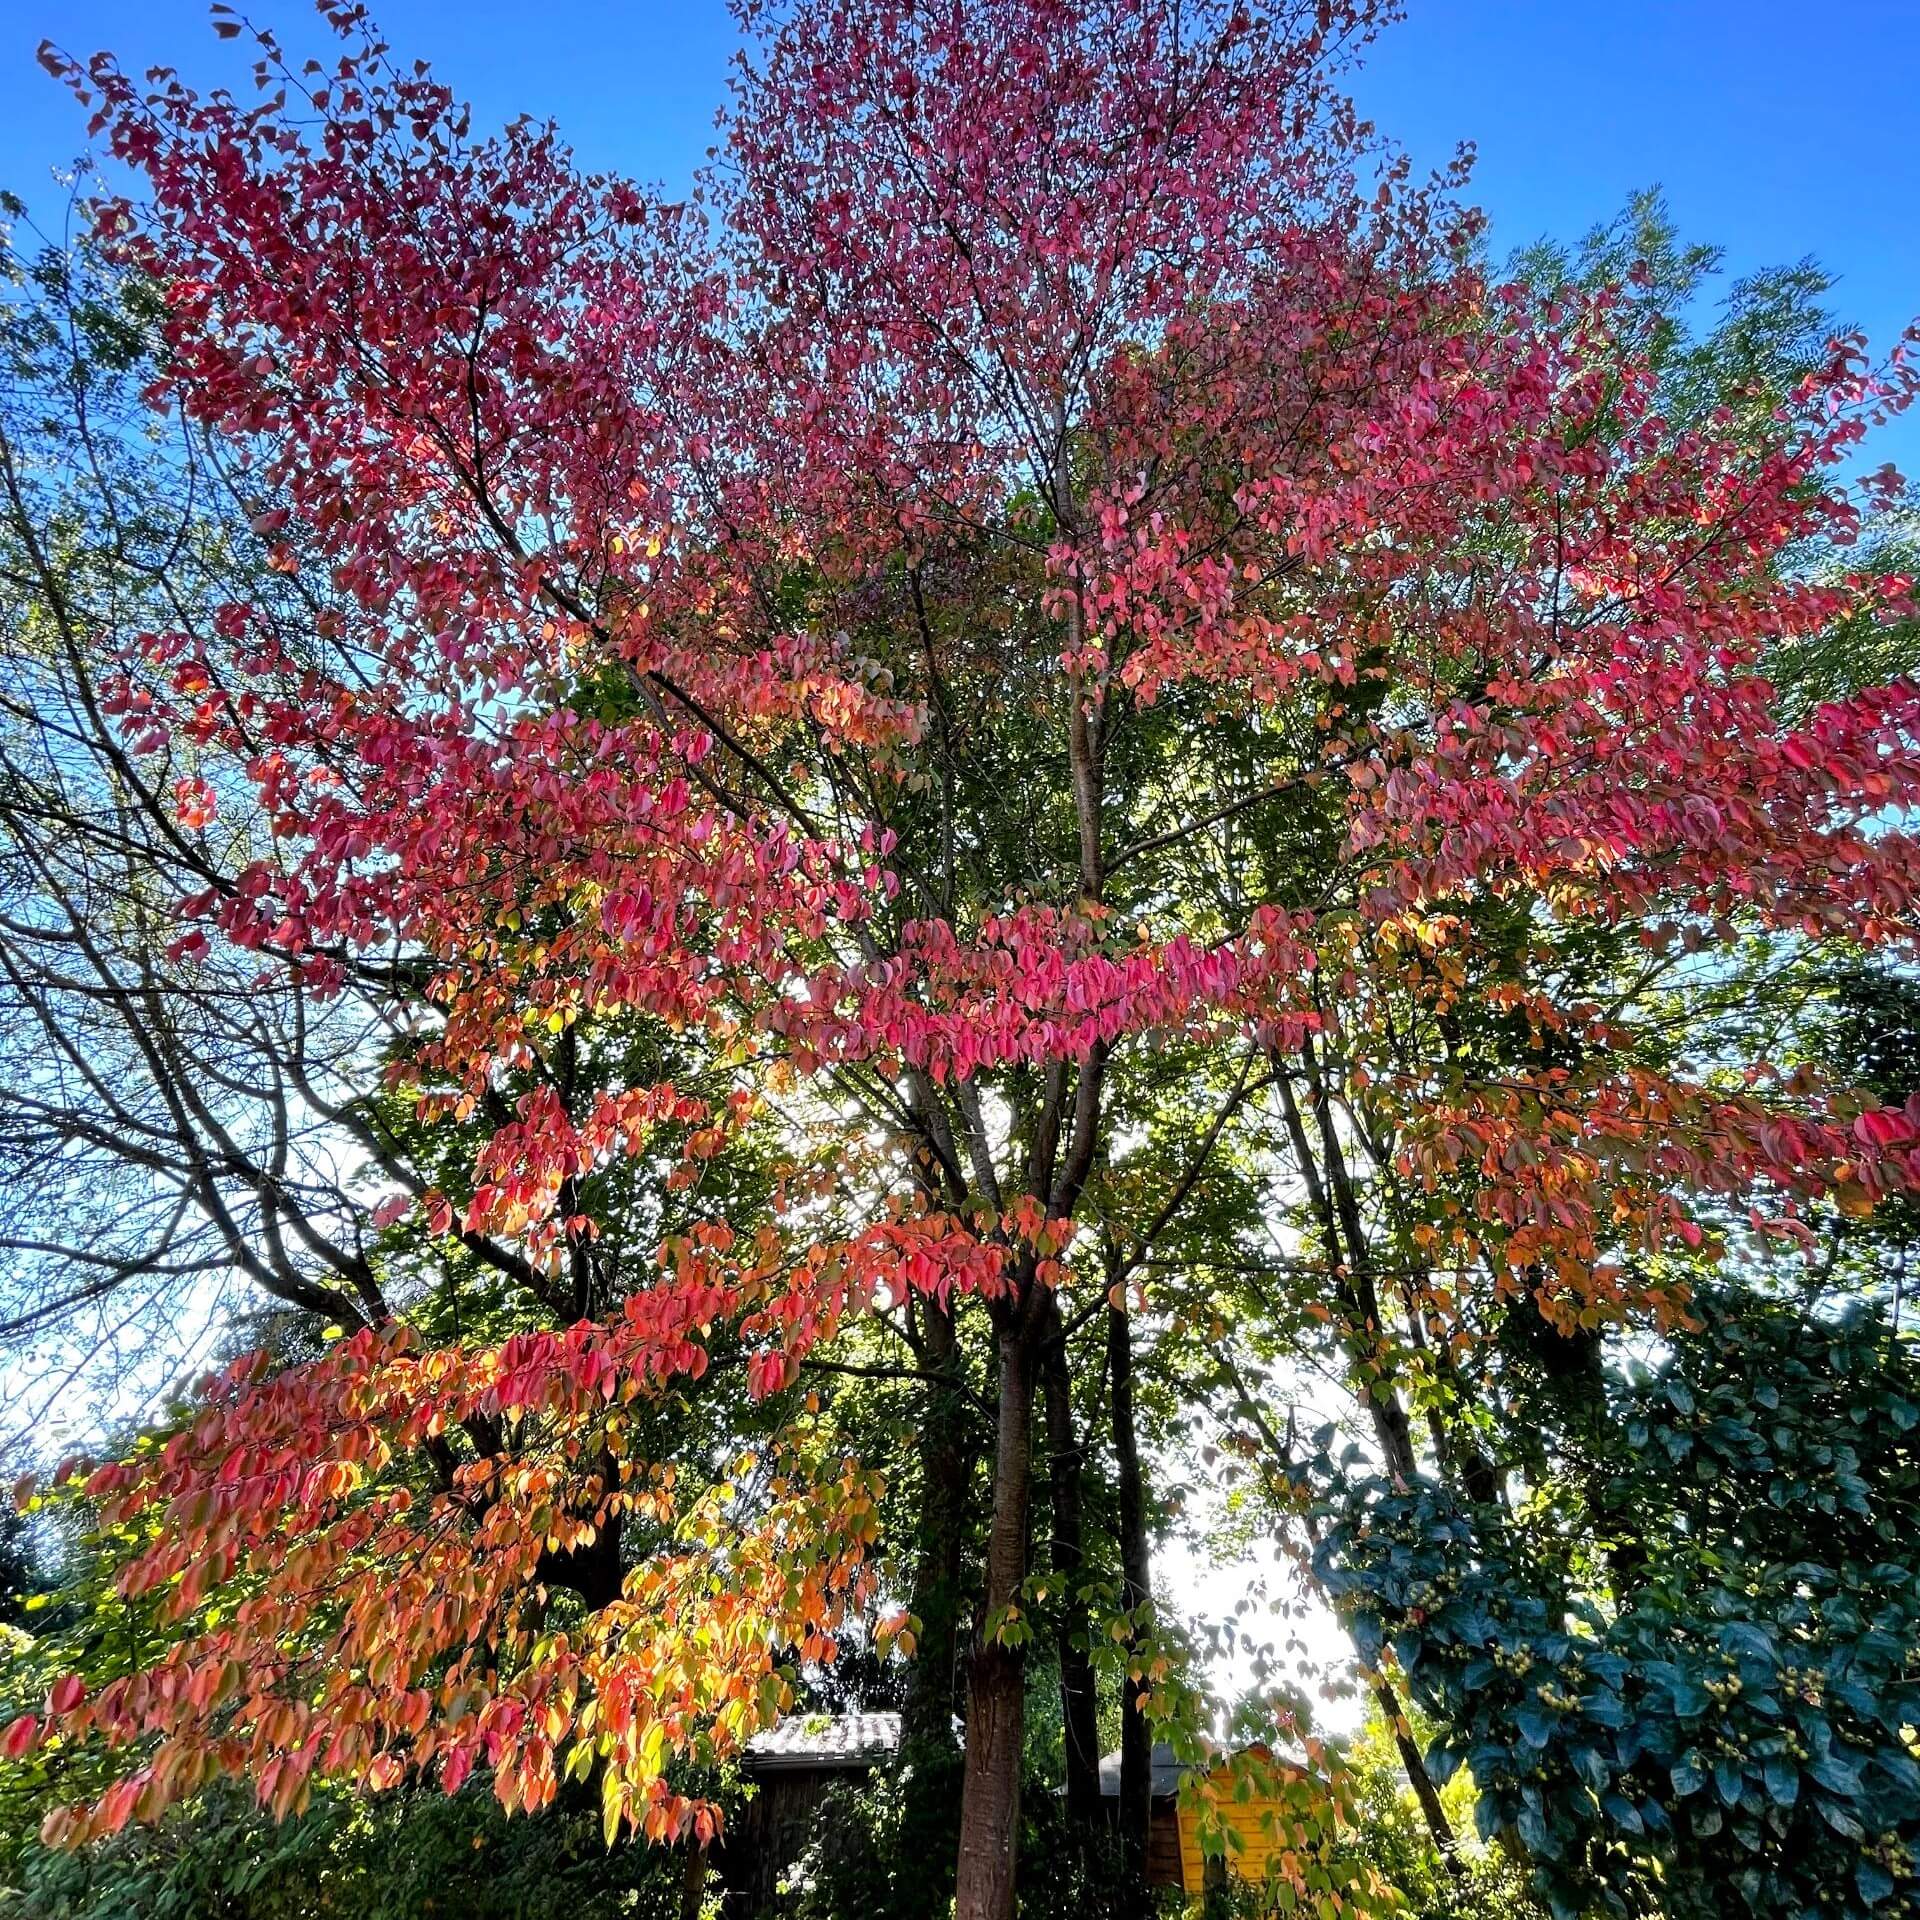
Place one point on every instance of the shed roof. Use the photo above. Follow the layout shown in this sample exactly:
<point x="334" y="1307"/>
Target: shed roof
<point x="817" y="1741"/>
<point x="1167" y="1772"/>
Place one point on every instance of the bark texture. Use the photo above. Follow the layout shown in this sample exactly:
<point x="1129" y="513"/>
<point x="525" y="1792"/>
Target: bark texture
<point x="996" y="1675"/>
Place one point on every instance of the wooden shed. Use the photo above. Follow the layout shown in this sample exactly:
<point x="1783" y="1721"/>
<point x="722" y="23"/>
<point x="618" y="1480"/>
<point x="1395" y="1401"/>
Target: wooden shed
<point x="791" y="1767"/>
<point x="1165" y="1859"/>
<point x="1174" y="1854"/>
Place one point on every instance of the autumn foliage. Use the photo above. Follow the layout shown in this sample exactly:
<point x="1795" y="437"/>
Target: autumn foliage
<point x="1055" y="402"/>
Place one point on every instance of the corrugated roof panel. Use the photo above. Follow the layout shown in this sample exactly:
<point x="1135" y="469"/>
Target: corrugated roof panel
<point x="825" y="1740"/>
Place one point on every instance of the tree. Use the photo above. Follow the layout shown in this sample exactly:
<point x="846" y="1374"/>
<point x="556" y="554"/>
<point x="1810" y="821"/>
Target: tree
<point x="174" y="1120"/>
<point x="401" y="1856"/>
<point x="1054" y="584"/>
<point x="146" y="1147"/>
<point x="1489" y="1438"/>
<point x="172" y="1117"/>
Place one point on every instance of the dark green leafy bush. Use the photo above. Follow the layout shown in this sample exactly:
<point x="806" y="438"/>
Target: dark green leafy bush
<point x="416" y="1855"/>
<point x="1712" y="1712"/>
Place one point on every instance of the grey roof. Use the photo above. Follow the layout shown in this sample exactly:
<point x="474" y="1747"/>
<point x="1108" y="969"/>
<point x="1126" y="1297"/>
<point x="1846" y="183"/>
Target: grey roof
<point x="1167" y="1772"/>
<point x="819" y="1740"/>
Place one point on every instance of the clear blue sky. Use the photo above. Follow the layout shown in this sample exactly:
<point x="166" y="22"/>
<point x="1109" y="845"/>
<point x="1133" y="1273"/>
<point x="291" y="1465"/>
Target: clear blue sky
<point x="1779" y="128"/>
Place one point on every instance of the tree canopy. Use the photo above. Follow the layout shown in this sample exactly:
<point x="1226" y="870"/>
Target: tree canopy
<point x="1039" y="767"/>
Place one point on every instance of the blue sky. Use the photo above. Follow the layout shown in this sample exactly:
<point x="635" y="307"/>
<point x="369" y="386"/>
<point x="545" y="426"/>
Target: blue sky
<point x="1779" y="128"/>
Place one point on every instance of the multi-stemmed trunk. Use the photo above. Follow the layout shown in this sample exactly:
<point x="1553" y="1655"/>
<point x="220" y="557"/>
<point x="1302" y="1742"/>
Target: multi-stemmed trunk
<point x="996" y="1675"/>
<point x="946" y="1469"/>
<point x="1136" y="1744"/>
<point x="996" y="1681"/>
<point x="1079" y="1702"/>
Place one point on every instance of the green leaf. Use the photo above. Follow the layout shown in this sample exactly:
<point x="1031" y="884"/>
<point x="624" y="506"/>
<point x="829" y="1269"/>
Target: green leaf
<point x="1535" y="1832"/>
<point x="612" y="1804"/>
<point x="1535" y="1724"/>
<point x="1874" y="1882"/>
<point x="1840" y="1820"/>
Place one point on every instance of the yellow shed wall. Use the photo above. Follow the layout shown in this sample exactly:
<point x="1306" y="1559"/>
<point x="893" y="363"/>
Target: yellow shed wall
<point x="1252" y="1823"/>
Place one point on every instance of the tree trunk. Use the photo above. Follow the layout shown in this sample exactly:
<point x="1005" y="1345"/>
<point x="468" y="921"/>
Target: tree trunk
<point x="1136" y="1744"/>
<point x="592" y="1570"/>
<point x="1079" y="1702"/>
<point x="1411" y="1759"/>
<point x="996" y="1675"/>
<point x="946" y="1469"/>
<point x="693" y="1888"/>
<point x="1351" y="1280"/>
<point x="1413" y="1764"/>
